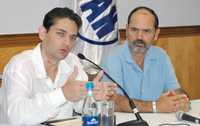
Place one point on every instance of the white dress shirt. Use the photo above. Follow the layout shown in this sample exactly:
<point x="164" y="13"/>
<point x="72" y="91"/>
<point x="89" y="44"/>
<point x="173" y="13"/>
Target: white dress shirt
<point x="32" y="97"/>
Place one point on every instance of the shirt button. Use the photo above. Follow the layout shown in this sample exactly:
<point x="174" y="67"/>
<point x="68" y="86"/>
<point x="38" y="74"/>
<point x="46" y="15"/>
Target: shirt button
<point x="142" y="91"/>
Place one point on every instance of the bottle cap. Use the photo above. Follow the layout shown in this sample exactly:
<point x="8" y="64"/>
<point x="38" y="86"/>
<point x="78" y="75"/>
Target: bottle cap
<point x="89" y="85"/>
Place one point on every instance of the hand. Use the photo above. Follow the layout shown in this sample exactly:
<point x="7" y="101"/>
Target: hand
<point x="172" y="102"/>
<point x="184" y="103"/>
<point x="74" y="90"/>
<point x="103" y="90"/>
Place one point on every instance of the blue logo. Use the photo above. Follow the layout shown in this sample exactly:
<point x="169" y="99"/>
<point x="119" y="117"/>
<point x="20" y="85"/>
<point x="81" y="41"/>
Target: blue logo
<point x="101" y="21"/>
<point x="90" y="121"/>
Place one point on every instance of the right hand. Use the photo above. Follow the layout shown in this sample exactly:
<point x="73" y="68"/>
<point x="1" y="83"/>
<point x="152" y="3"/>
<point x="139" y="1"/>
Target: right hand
<point x="170" y="102"/>
<point x="103" y="90"/>
<point x="73" y="89"/>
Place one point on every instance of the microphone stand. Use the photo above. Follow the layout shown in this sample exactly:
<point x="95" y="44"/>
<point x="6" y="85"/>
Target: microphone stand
<point x="139" y="121"/>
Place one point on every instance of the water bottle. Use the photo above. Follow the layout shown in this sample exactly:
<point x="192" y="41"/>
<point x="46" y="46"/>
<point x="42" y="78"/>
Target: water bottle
<point x="90" y="116"/>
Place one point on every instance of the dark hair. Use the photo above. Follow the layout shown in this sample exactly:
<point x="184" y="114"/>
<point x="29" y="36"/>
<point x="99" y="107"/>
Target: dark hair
<point x="58" y="13"/>
<point x="156" y="20"/>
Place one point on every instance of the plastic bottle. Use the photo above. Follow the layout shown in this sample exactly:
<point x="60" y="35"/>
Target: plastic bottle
<point x="90" y="116"/>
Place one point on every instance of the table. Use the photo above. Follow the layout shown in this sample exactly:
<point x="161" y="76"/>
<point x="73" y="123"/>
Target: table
<point x="153" y="119"/>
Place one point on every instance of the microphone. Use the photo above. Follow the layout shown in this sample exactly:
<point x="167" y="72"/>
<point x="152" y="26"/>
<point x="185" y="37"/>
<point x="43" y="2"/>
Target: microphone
<point x="186" y="117"/>
<point x="139" y="121"/>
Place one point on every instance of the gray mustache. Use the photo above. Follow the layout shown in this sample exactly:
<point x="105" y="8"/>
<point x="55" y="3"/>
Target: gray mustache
<point x="139" y="42"/>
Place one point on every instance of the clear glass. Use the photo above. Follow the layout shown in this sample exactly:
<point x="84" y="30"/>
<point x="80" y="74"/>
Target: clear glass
<point x="107" y="116"/>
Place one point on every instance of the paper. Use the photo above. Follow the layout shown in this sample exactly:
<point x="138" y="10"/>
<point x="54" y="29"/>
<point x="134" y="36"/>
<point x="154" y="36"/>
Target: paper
<point x="74" y="122"/>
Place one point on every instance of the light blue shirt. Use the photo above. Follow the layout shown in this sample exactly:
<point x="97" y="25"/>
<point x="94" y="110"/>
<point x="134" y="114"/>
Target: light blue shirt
<point x="157" y="76"/>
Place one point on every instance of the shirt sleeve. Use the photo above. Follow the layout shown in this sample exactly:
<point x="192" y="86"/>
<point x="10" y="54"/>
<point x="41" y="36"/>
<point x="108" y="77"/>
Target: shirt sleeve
<point x="171" y="82"/>
<point x="23" y="109"/>
<point x="112" y="66"/>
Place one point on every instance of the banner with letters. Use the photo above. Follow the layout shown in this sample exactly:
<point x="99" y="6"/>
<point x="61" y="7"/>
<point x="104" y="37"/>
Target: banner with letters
<point x="99" y="32"/>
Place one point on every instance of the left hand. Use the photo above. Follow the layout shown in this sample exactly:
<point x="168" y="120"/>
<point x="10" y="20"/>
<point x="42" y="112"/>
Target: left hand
<point x="183" y="100"/>
<point x="103" y="90"/>
<point x="73" y="89"/>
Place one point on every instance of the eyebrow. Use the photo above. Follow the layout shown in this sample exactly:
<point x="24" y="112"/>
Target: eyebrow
<point x="60" y="29"/>
<point x="133" y="27"/>
<point x="65" y="31"/>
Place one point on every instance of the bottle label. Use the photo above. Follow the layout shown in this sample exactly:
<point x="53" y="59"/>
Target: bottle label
<point x="90" y="120"/>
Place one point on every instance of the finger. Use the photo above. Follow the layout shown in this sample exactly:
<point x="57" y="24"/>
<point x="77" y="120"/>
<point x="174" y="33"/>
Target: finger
<point x="99" y="96"/>
<point x="103" y="94"/>
<point x="74" y="74"/>
<point x="98" y="86"/>
<point x="112" y="85"/>
<point x="98" y="77"/>
<point x="178" y="97"/>
<point x="80" y="89"/>
<point x="165" y="94"/>
<point x="184" y="101"/>
<point x="110" y="93"/>
<point x="109" y="88"/>
<point x="80" y="85"/>
<point x="172" y="93"/>
<point x="102" y="87"/>
<point x="179" y="102"/>
<point x="109" y="85"/>
<point x="175" y="106"/>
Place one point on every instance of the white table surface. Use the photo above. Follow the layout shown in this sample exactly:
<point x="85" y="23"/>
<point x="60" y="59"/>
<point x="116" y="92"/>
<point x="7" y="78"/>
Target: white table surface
<point x="154" y="119"/>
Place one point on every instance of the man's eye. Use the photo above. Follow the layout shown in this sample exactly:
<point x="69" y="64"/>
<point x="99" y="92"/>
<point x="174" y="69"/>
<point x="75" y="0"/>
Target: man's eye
<point x="134" y="29"/>
<point x="61" y="34"/>
<point x="73" y="38"/>
<point x="147" y="31"/>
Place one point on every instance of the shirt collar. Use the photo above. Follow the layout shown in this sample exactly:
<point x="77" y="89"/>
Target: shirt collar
<point x="39" y="64"/>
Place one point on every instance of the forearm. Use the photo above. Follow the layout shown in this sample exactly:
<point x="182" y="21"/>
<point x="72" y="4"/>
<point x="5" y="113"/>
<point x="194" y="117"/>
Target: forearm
<point x="30" y="111"/>
<point x="122" y="104"/>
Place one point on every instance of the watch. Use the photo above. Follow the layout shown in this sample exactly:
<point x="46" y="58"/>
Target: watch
<point x="154" y="108"/>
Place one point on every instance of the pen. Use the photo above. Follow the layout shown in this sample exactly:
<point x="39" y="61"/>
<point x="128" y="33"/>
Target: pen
<point x="56" y="121"/>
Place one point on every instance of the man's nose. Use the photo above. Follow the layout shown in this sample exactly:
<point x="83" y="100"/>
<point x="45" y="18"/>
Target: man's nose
<point x="67" y="41"/>
<point x="139" y="34"/>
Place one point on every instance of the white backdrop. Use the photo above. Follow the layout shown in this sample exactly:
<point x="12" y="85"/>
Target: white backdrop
<point x="170" y="12"/>
<point x="24" y="16"/>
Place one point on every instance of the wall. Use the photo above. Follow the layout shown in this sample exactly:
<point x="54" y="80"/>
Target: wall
<point x="184" y="52"/>
<point x="170" y="12"/>
<point x="13" y="44"/>
<point x="24" y="16"/>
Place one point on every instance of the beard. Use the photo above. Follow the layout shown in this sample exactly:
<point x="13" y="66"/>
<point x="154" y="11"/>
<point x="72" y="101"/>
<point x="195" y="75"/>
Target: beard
<point x="139" y="46"/>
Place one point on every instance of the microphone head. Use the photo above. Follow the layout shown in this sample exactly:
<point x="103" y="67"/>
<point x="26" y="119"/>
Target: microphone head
<point x="179" y="115"/>
<point x="81" y="56"/>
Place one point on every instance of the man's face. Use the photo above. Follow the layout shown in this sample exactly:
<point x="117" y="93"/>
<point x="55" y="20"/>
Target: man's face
<point x="60" y="39"/>
<point x="141" y="31"/>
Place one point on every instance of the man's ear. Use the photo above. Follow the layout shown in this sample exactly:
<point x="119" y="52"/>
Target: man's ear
<point x="42" y="32"/>
<point x="156" y="34"/>
<point x="126" y="31"/>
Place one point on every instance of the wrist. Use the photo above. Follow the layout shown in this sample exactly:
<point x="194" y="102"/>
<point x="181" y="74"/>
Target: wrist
<point x="65" y="93"/>
<point x="154" y="107"/>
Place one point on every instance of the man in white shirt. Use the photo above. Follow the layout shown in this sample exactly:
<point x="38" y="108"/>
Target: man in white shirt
<point x="48" y="82"/>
